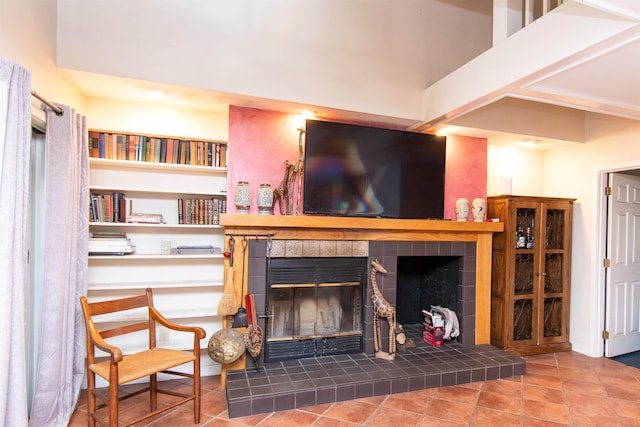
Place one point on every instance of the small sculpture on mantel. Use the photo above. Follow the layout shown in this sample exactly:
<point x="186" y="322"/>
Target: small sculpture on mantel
<point x="283" y="193"/>
<point x="382" y="308"/>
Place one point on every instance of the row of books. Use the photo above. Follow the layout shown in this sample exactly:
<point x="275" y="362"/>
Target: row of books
<point x="142" y="148"/>
<point x="112" y="207"/>
<point x="115" y="207"/>
<point x="201" y="211"/>
<point x="110" y="243"/>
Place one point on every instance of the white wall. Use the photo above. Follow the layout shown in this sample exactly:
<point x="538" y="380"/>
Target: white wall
<point x="155" y="119"/>
<point x="28" y="37"/>
<point x="522" y="165"/>
<point x="372" y="56"/>
<point x="574" y="171"/>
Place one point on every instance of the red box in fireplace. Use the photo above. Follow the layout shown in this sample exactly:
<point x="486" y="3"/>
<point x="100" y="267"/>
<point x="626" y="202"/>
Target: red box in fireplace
<point x="433" y="335"/>
<point x="433" y="332"/>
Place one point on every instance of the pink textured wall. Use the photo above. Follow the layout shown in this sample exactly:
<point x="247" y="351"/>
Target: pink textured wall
<point x="466" y="172"/>
<point x="260" y="141"/>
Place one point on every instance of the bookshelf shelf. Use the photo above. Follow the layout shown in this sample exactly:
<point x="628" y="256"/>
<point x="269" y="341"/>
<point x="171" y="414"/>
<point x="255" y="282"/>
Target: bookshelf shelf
<point x="187" y="288"/>
<point x="111" y="286"/>
<point x="98" y="163"/>
<point x="117" y="225"/>
<point x="138" y="257"/>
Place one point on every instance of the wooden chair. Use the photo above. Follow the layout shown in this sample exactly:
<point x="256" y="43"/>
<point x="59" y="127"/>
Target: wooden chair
<point x="120" y="369"/>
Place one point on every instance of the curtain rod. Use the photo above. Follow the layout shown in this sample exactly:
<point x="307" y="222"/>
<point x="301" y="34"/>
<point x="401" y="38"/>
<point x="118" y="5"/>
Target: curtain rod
<point x="55" y="108"/>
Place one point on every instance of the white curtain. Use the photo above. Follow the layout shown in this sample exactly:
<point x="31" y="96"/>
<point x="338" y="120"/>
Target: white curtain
<point x="61" y="355"/>
<point x="15" y="134"/>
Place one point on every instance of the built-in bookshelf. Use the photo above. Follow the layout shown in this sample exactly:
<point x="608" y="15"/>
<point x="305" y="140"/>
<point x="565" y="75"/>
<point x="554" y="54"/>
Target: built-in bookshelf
<point x="166" y="215"/>
<point x="156" y="149"/>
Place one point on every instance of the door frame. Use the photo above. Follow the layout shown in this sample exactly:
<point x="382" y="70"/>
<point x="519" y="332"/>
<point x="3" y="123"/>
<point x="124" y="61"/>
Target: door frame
<point x="601" y="244"/>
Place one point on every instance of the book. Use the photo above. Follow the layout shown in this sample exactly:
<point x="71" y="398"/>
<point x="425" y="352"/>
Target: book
<point x="145" y="218"/>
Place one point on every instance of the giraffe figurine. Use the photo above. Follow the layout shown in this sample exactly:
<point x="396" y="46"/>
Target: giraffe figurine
<point x="282" y="193"/>
<point x="382" y="308"/>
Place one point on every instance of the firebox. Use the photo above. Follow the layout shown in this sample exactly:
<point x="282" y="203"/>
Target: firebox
<point x="314" y="307"/>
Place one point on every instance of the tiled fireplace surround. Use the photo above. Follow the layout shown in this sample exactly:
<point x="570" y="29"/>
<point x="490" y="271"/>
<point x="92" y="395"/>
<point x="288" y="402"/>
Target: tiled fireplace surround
<point x="298" y="383"/>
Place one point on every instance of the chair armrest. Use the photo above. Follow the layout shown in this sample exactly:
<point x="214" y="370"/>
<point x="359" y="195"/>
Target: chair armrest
<point x="114" y="352"/>
<point x="155" y="314"/>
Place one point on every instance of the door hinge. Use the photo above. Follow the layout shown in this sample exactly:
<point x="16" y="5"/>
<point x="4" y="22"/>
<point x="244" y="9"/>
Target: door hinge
<point x="608" y="191"/>
<point x="606" y="263"/>
<point x="605" y="335"/>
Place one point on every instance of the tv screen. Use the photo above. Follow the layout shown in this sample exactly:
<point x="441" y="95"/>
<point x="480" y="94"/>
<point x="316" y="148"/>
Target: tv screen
<point x="352" y="170"/>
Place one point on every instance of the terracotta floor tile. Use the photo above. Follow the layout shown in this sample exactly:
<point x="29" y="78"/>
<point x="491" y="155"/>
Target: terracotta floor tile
<point x="543" y="380"/>
<point x="492" y="417"/>
<point x="541" y="369"/>
<point x="576" y="388"/>
<point x="500" y="401"/>
<point x="332" y="422"/>
<point x="351" y="410"/>
<point x="535" y="422"/>
<point x="556" y="412"/>
<point x="543" y="394"/>
<point x="457" y="394"/>
<point x="502" y="387"/>
<point x="561" y="389"/>
<point x="449" y="411"/>
<point x="626" y="408"/>
<point x="289" y="418"/>
<point x="407" y="402"/>
<point x="385" y="417"/>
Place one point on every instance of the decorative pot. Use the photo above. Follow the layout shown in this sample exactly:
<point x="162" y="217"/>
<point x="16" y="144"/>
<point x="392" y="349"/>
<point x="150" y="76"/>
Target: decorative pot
<point x="478" y="209"/>
<point x="243" y="197"/>
<point x="265" y="199"/>
<point x="462" y="209"/>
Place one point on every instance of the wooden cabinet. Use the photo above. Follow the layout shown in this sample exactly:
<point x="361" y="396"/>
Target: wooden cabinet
<point x="187" y="286"/>
<point x="531" y="274"/>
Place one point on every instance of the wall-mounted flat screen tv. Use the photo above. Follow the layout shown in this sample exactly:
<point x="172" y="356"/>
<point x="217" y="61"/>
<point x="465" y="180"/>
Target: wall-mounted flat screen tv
<point x="352" y="170"/>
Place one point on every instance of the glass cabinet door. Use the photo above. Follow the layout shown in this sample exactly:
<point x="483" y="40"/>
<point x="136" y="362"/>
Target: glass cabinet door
<point x="553" y="273"/>
<point x="524" y="274"/>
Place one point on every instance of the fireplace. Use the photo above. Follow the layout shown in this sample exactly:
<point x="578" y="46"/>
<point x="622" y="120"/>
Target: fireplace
<point x="287" y="274"/>
<point x="313" y="307"/>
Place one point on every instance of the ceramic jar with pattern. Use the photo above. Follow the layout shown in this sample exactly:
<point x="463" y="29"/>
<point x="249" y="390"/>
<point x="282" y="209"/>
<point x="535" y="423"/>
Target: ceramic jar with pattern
<point x="265" y="199"/>
<point x="243" y="197"/>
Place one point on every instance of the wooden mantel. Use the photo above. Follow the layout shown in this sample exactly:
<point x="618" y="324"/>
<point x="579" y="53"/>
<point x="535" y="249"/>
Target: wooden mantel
<point x="349" y="228"/>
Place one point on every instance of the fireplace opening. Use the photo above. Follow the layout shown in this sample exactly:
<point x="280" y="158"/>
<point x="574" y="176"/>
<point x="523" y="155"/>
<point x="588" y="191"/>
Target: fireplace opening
<point x="314" y="307"/>
<point x="424" y="281"/>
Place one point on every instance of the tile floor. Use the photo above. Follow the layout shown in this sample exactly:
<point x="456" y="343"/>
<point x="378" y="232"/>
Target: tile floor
<point x="561" y="389"/>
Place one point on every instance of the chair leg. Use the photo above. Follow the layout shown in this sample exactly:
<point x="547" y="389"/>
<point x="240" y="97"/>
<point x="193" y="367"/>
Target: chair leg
<point x="196" y="391"/>
<point x="153" y="392"/>
<point x="113" y="403"/>
<point x="91" y="398"/>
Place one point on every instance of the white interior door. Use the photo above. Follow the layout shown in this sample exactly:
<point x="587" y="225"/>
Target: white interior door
<point x="622" y="319"/>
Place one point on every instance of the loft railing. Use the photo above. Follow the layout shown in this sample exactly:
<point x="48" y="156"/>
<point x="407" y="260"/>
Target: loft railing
<point x="534" y="9"/>
<point x="510" y="16"/>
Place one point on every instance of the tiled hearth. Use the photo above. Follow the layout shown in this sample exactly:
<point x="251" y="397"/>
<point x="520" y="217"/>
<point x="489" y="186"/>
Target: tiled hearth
<point x="306" y="382"/>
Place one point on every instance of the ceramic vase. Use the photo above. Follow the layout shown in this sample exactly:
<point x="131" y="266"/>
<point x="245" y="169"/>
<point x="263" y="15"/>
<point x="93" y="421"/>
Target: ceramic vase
<point x="478" y="209"/>
<point x="265" y="199"/>
<point x="462" y="209"/>
<point x="243" y="197"/>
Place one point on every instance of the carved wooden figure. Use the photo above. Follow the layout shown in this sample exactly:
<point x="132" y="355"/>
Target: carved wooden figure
<point x="382" y="308"/>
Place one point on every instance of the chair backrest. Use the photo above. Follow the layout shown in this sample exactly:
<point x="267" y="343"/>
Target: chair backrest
<point x="94" y="334"/>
